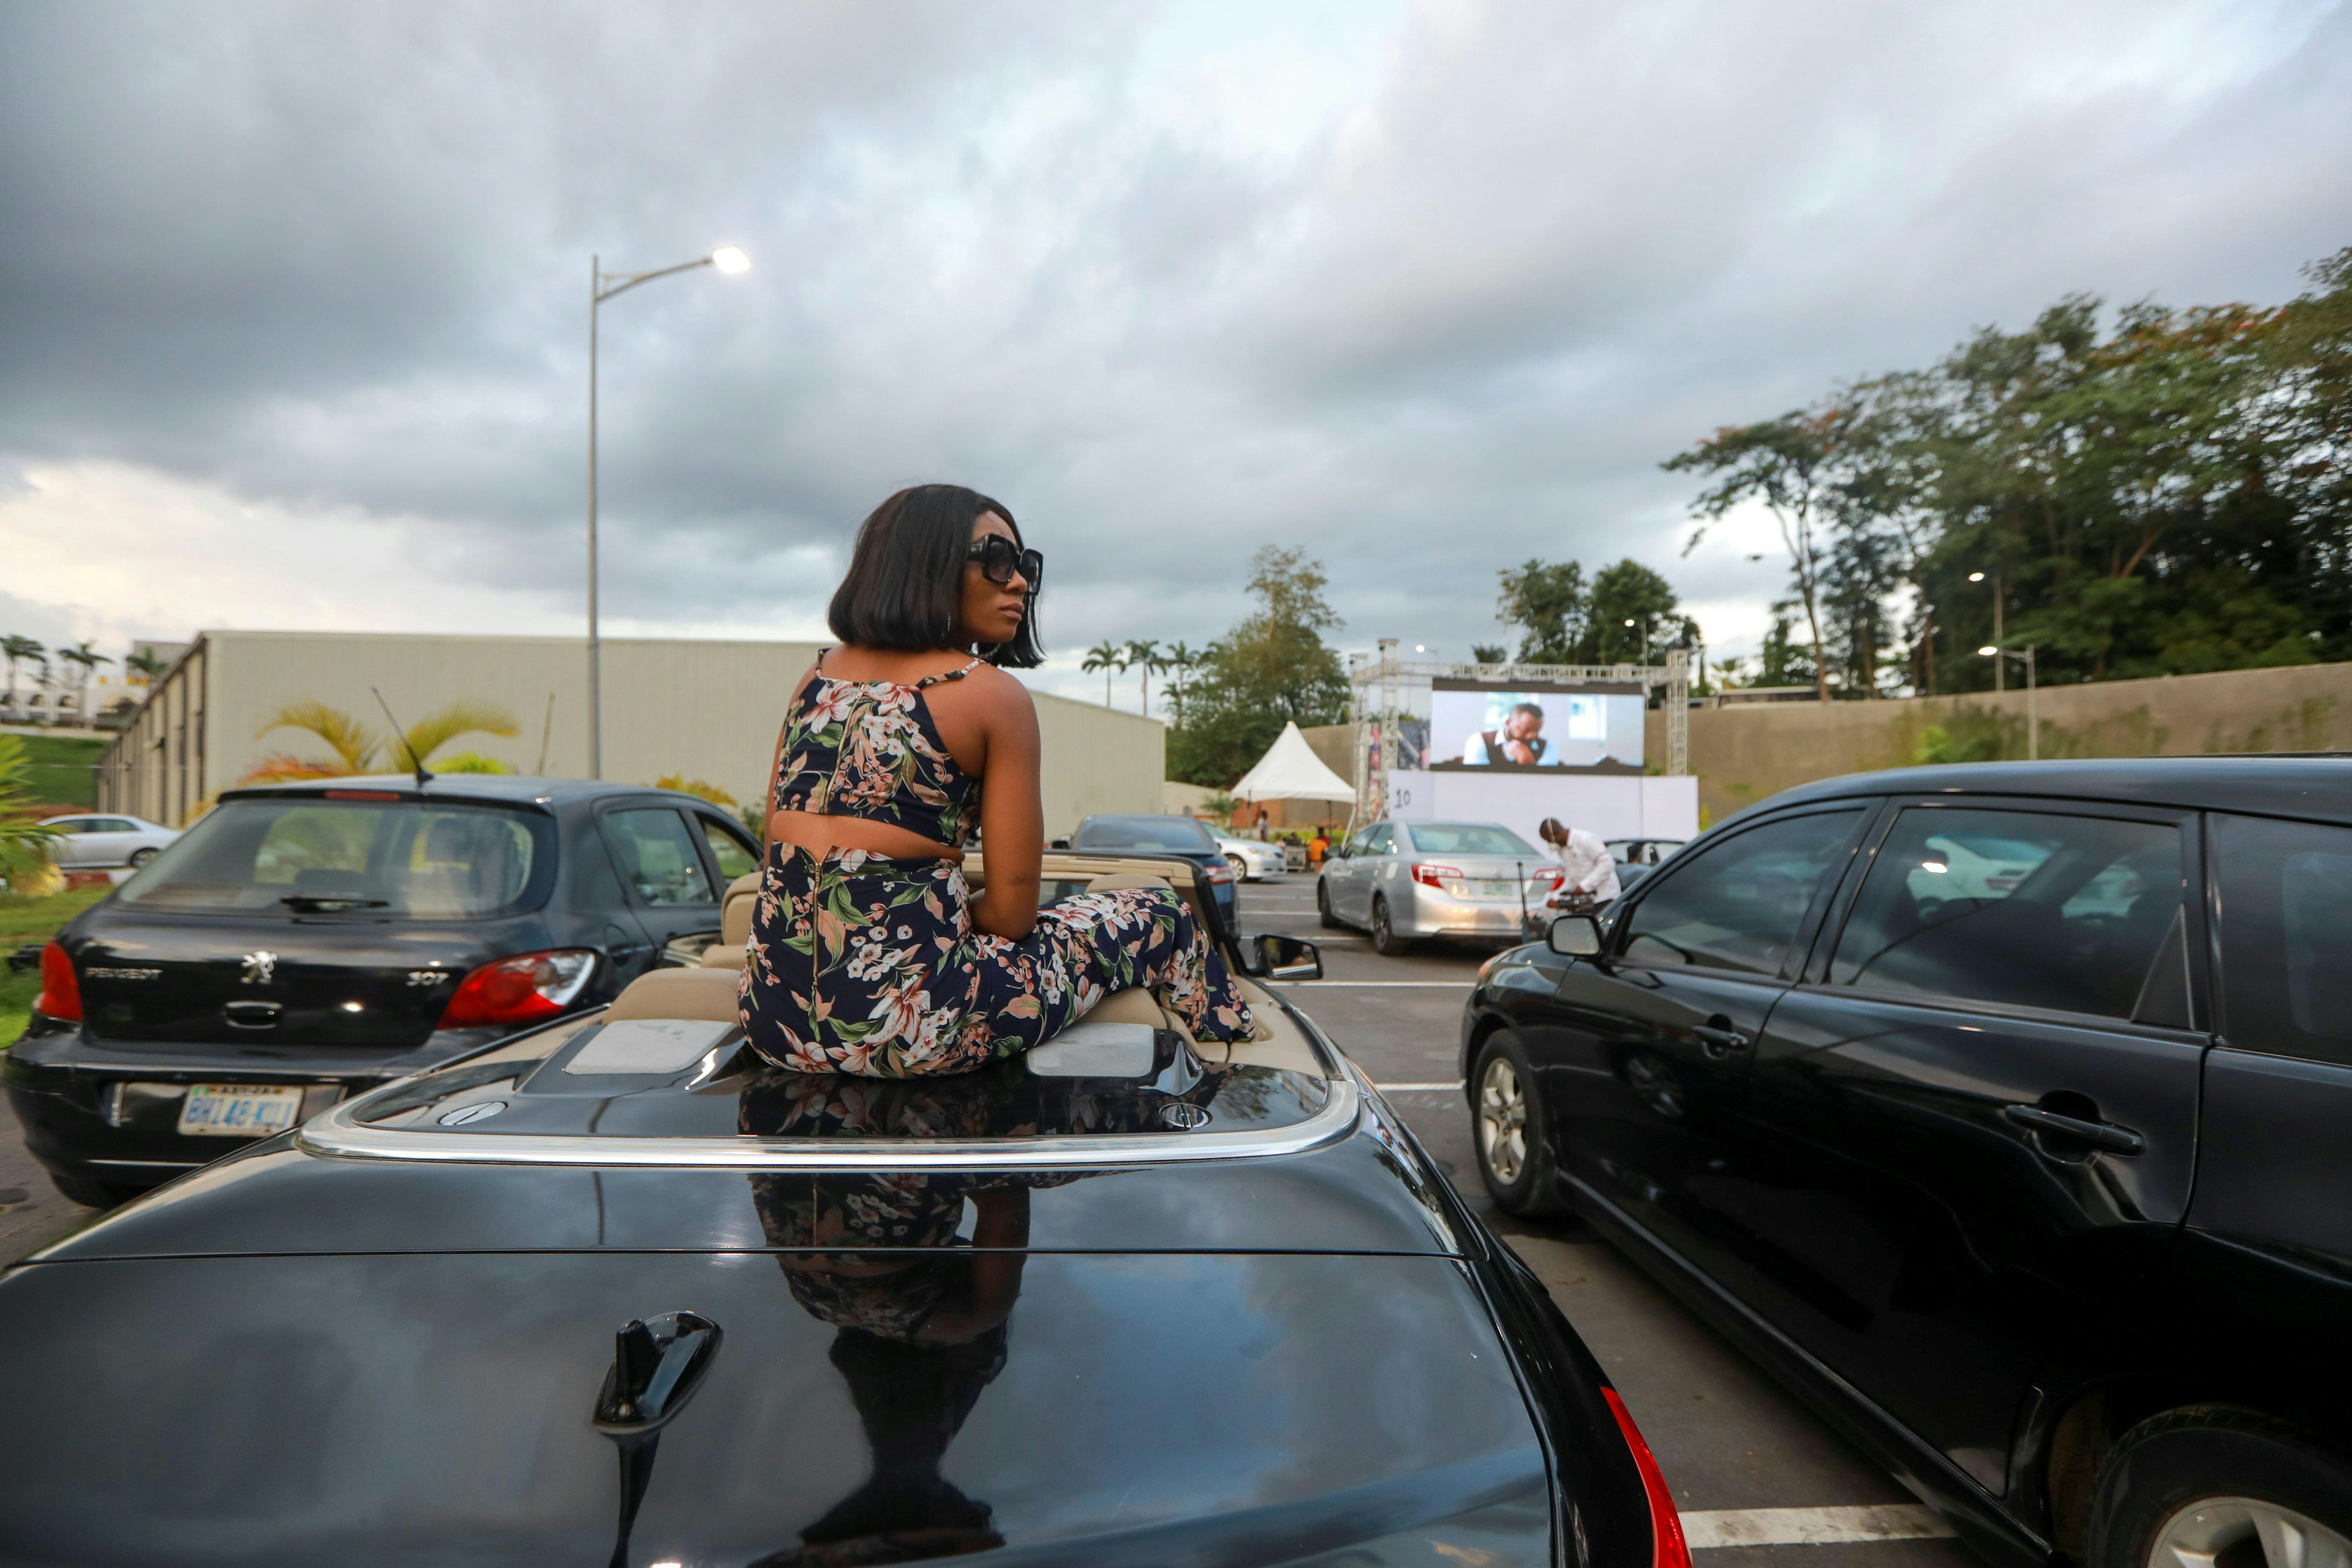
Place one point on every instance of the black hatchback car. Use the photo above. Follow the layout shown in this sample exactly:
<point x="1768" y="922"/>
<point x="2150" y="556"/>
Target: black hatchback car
<point x="304" y="943"/>
<point x="1179" y="836"/>
<point x="2002" y="1112"/>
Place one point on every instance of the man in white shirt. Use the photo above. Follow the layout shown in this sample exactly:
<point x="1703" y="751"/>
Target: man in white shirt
<point x="1588" y="870"/>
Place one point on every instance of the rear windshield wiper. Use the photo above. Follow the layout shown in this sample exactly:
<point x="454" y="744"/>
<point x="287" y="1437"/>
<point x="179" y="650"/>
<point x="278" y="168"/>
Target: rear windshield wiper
<point x="314" y="903"/>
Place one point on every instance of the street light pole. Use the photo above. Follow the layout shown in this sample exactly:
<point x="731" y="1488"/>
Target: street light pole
<point x="602" y="286"/>
<point x="1996" y="653"/>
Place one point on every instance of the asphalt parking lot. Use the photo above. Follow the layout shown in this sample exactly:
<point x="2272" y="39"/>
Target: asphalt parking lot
<point x="1746" y="1462"/>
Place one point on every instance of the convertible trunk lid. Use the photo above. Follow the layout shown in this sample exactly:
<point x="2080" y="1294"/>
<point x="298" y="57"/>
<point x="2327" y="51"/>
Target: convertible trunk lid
<point x="881" y="1406"/>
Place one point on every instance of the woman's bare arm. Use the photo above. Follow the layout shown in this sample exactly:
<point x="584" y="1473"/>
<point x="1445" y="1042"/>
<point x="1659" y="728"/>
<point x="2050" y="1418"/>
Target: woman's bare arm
<point x="1012" y="814"/>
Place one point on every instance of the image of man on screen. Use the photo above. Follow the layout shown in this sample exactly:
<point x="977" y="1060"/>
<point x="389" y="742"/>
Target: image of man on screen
<point x="1517" y="740"/>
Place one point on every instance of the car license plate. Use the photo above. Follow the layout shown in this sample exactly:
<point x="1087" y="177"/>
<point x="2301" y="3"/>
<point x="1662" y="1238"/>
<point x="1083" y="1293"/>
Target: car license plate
<point x="1495" y="889"/>
<point x="239" y="1110"/>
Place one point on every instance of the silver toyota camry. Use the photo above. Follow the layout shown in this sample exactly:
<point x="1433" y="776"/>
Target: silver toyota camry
<point x="1406" y="880"/>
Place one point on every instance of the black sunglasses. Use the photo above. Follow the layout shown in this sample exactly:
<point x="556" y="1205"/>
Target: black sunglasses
<point x="1000" y="558"/>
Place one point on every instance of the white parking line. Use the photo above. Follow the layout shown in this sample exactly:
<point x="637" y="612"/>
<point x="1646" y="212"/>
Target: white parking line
<point x="1813" y="1526"/>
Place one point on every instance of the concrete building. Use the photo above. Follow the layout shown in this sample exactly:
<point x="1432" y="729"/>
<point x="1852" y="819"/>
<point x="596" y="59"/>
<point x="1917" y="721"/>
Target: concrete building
<point x="706" y="710"/>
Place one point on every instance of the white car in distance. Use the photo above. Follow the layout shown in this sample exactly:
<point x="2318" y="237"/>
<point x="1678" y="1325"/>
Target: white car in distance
<point x="1251" y="861"/>
<point x="87" y="842"/>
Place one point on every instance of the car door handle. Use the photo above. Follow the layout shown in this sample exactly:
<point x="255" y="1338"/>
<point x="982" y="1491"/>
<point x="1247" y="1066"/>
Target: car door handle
<point x="1719" y="1041"/>
<point x="2104" y="1135"/>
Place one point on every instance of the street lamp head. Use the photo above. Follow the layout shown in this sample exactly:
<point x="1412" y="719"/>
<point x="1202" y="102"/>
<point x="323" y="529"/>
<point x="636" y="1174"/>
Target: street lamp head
<point x="1976" y="576"/>
<point x="1988" y="651"/>
<point x="1629" y="620"/>
<point x="730" y="259"/>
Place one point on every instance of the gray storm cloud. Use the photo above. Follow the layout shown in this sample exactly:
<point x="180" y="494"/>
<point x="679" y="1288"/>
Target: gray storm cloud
<point x="1105" y="262"/>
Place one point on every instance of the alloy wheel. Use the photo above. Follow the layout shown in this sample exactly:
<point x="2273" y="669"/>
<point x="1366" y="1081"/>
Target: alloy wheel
<point x="2245" y="1532"/>
<point x="1503" y="1126"/>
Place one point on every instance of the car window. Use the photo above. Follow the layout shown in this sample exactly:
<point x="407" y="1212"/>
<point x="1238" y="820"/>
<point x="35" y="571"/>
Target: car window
<point x="384" y="860"/>
<point x="67" y="825"/>
<point x="2286" y="936"/>
<point x="1378" y="841"/>
<point x="2024" y="908"/>
<point x="1469" y="838"/>
<point x="1178" y="832"/>
<point x="657" y="857"/>
<point x="734" y="860"/>
<point x="1738" y="905"/>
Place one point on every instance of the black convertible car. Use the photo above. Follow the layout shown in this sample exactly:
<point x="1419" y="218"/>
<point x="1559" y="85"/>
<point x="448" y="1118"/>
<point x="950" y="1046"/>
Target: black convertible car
<point x="612" y="1290"/>
<point x="303" y="943"/>
<point x="2001" y="1110"/>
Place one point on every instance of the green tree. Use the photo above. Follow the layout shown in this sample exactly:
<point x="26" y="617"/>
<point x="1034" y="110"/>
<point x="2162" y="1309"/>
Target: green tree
<point x="16" y="649"/>
<point x="1145" y="655"/>
<point x="357" y="748"/>
<point x="1270" y="669"/>
<point x="1548" y="601"/>
<point x="23" y="843"/>
<point x="1179" y="662"/>
<point x="1630" y="592"/>
<point x="1108" y="658"/>
<point x="86" y="660"/>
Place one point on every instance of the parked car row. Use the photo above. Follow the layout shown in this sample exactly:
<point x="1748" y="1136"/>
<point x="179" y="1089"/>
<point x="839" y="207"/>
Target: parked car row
<point x="2000" y="1111"/>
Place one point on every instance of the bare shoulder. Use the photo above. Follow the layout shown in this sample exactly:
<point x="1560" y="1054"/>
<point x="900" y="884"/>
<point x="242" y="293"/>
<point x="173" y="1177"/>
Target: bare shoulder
<point x="998" y="691"/>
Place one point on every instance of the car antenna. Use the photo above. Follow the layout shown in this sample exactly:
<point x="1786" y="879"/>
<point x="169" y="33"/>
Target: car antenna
<point x="422" y="778"/>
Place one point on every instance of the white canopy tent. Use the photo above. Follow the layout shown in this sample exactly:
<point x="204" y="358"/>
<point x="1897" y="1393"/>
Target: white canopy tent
<point x="1291" y="771"/>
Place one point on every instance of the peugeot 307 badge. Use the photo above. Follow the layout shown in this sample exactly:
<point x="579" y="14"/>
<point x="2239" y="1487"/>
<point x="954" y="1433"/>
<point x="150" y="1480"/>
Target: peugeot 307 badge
<point x="260" y="967"/>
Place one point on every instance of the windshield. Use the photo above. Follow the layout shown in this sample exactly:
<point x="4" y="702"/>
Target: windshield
<point x="1469" y="838"/>
<point x="1179" y="833"/>
<point x="391" y="858"/>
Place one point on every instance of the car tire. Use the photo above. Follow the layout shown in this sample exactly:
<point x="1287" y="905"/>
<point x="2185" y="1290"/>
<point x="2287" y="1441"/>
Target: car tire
<point x="1323" y="911"/>
<point x="1385" y="941"/>
<point x="2212" y="1481"/>
<point x="1507" y="1130"/>
<point x="93" y="1195"/>
<point x="140" y="857"/>
<point x="1240" y="866"/>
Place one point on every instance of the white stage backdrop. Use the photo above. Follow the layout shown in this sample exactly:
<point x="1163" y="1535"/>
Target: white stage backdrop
<point x="1612" y="807"/>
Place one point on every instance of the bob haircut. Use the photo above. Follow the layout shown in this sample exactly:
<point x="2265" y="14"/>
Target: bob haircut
<point x="905" y="583"/>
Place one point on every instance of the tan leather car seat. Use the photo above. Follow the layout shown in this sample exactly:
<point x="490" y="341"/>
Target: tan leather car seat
<point x="734" y="923"/>
<point x="1112" y="882"/>
<point x="700" y="994"/>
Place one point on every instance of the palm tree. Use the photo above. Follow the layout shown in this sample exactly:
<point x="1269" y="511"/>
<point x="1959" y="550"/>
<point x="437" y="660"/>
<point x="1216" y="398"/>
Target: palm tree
<point x="1179" y="662"/>
<point x="360" y="750"/>
<point x="16" y="648"/>
<point x="1145" y="655"/>
<point x="1106" y="656"/>
<point x="23" y="842"/>
<point x="87" y="660"/>
<point x="146" y="663"/>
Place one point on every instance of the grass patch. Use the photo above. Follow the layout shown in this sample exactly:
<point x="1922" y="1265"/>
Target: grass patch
<point x="32" y="919"/>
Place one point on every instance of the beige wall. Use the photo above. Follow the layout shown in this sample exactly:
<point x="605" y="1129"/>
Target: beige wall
<point x="1744" y="753"/>
<point x="707" y="710"/>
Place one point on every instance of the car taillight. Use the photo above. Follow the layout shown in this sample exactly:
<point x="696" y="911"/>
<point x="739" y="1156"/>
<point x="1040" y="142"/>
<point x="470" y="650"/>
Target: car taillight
<point x="519" y="990"/>
<point x="60" y="996"/>
<point x="1220" y="872"/>
<point x="1547" y="880"/>
<point x="1435" y="876"/>
<point x="1667" y="1547"/>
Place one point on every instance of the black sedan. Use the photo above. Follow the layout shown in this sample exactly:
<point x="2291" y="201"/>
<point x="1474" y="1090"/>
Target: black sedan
<point x="2000" y="1111"/>
<point x="303" y="943"/>
<point x="615" y="1289"/>
<point x="1180" y="836"/>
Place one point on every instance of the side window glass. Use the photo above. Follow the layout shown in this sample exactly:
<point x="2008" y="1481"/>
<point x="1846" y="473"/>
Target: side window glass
<point x="657" y="857"/>
<point x="2077" y="913"/>
<point x="1738" y="905"/>
<point x="733" y="859"/>
<point x="1379" y="841"/>
<point x="2286" y="937"/>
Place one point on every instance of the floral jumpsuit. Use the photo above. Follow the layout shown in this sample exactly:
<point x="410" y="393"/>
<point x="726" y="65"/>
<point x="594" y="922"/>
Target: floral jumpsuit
<point x="865" y="963"/>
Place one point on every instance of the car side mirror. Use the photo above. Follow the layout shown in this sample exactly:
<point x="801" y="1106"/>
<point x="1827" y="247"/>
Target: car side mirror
<point x="1268" y="957"/>
<point x="1574" y="936"/>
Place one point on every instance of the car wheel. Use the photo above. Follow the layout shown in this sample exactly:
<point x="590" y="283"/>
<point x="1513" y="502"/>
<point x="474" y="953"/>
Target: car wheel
<point x="141" y="856"/>
<point x="1240" y="866"/>
<point x="1323" y="911"/>
<point x="2219" y="1485"/>
<point x="1508" y="1127"/>
<point x="1385" y="941"/>
<point x="93" y="1195"/>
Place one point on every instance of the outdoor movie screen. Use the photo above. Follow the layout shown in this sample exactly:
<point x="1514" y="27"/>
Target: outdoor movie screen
<point x="1533" y="725"/>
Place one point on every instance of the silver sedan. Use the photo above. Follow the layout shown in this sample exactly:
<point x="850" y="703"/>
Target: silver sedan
<point x="1251" y="861"/>
<point x="87" y="841"/>
<point x="1406" y="880"/>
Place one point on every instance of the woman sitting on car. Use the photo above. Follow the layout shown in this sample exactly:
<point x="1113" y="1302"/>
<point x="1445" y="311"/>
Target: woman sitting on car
<point x="867" y="955"/>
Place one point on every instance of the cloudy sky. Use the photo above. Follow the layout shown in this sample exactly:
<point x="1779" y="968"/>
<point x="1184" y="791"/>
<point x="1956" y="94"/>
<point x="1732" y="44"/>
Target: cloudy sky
<point x="293" y="297"/>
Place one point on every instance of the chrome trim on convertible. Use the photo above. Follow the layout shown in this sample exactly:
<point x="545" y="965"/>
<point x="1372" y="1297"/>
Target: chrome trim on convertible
<point x="339" y="1134"/>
